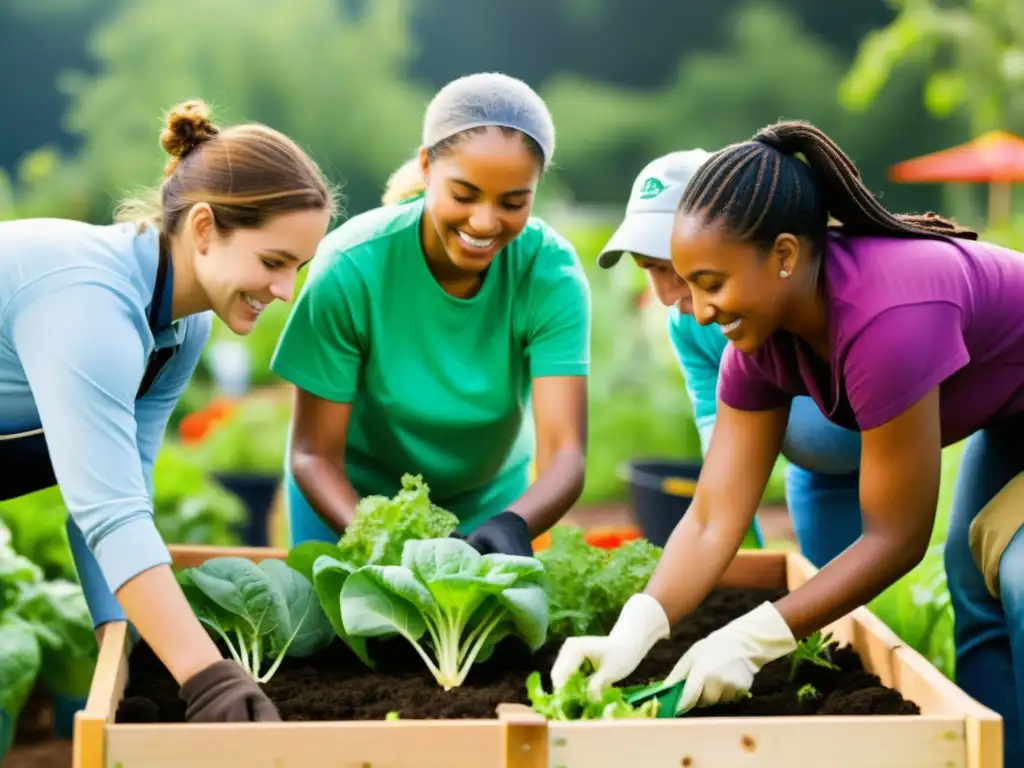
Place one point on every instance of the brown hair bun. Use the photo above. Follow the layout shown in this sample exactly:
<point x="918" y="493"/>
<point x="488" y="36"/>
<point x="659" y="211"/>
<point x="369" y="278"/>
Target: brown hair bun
<point x="188" y="126"/>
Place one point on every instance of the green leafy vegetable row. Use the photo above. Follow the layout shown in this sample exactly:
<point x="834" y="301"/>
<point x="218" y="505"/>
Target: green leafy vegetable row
<point x="397" y="573"/>
<point x="46" y="634"/>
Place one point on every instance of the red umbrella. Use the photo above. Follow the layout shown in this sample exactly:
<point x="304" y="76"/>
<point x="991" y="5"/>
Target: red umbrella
<point x="995" y="158"/>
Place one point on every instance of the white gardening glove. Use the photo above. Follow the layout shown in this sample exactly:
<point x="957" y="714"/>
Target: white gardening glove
<point x="721" y="667"/>
<point x="641" y="623"/>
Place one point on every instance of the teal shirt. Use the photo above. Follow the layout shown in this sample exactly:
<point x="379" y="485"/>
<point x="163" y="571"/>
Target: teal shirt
<point x="439" y="385"/>
<point x="811" y="441"/>
<point x="698" y="349"/>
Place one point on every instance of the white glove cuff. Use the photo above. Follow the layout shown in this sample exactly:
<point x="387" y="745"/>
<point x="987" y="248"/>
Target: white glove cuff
<point x="771" y="635"/>
<point x="642" y="622"/>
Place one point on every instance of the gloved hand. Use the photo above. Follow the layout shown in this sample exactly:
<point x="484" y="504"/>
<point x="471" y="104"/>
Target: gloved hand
<point x="506" y="533"/>
<point x="223" y="692"/>
<point x="721" y="667"/>
<point x="641" y="623"/>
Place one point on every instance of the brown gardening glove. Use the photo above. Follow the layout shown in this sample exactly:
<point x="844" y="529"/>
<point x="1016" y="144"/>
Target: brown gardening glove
<point x="223" y="692"/>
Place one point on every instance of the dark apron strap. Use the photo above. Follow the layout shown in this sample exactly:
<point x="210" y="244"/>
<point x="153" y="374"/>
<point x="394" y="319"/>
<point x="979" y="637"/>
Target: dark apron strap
<point x="160" y="357"/>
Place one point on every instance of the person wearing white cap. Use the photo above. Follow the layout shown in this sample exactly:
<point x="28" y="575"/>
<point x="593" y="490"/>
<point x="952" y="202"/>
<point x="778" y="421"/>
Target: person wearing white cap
<point x="823" y="459"/>
<point x="822" y="473"/>
<point x="431" y="326"/>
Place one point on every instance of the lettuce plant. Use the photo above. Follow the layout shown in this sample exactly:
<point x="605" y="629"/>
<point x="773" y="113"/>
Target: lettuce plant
<point x="452" y="604"/>
<point x="590" y="584"/>
<point x="261" y="612"/>
<point x="574" y="702"/>
<point x="380" y="529"/>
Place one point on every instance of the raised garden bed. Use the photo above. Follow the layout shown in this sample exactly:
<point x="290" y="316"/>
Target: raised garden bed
<point x="885" y="706"/>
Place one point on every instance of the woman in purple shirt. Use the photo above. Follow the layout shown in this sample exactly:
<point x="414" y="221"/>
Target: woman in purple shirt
<point x="903" y="328"/>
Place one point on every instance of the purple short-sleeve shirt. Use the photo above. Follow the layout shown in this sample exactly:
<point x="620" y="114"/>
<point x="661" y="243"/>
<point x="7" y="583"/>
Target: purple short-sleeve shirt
<point x="904" y="316"/>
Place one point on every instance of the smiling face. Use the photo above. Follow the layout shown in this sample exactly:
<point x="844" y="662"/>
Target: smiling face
<point x="669" y="287"/>
<point x="734" y="283"/>
<point x="478" y="197"/>
<point x="244" y="270"/>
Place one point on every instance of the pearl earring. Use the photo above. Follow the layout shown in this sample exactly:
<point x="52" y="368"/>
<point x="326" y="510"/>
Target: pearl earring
<point x="784" y="274"/>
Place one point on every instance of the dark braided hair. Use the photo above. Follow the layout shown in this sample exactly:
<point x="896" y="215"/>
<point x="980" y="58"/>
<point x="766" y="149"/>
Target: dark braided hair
<point x="761" y="188"/>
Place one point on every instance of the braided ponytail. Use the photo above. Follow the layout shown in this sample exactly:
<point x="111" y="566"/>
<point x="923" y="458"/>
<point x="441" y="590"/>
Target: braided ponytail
<point x="791" y="177"/>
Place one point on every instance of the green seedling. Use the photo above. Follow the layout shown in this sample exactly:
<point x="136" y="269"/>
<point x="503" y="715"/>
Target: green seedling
<point x="807" y="693"/>
<point x="815" y="650"/>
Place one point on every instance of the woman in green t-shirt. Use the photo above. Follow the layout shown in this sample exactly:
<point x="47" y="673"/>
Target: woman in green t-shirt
<point x="428" y="331"/>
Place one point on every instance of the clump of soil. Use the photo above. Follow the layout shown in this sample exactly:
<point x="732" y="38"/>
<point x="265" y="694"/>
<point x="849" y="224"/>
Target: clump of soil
<point x="335" y="685"/>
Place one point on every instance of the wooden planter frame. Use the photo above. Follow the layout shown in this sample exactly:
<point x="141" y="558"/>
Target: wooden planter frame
<point x="953" y="730"/>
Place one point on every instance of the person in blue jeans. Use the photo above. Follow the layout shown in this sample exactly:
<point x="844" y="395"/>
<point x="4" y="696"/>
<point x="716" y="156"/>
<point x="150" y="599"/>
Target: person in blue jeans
<point x="823" y="459"/>
<point x="924" y="364"/>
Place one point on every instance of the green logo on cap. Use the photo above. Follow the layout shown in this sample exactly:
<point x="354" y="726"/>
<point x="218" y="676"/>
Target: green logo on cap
<point x="651" y="188"/>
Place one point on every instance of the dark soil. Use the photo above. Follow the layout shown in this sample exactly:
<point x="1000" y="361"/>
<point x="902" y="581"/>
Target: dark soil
<point x="334" y="685"/>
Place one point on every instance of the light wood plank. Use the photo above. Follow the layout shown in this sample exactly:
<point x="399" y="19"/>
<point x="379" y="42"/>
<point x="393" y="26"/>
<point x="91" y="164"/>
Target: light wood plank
<point x="763" y="568"/>
<point x="526" y="739"/>
<point x="923" y="683"/>
<point x="379" y="744"/>
<point x="768" y="742"/>
<point x="193" y="555"/>
<point x="106" y="691"/>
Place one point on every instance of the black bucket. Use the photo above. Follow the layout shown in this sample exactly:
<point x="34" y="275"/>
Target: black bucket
<point x="257" y="495"/>
<point x="661" y="491"/>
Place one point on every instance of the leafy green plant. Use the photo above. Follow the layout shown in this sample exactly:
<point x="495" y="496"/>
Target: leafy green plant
<point x="589" y="585"/>
<point x="189" y="507"/>
<point x="262" y="612"/>
<point x="20" y="663"/>
<point x="807" y="693"/>
<point x="380" y="529"/>
<point x="59" y="615"/>
<point x="36" y="523"/>
<point x="445" y="598"/>
<point x="573" y="701"/>
<point x="813" y="649"/>
<point x="377" y="536"/>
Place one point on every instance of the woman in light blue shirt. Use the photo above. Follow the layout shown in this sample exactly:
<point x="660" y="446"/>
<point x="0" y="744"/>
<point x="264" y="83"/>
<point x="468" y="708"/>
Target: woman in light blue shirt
<point x="823" y="459"/>
<point x="101" y="328"/>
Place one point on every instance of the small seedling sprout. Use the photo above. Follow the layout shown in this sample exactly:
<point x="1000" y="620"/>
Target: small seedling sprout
<point x="814" y="649"/>
<point x="807" y="692"/>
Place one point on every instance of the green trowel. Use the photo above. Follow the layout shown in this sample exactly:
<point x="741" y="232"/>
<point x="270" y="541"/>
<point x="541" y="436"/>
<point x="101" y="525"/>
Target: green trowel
<point x="668" y="696"/>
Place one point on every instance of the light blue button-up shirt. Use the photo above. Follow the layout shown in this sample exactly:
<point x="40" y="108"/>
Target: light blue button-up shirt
<point x="74" y="343"/>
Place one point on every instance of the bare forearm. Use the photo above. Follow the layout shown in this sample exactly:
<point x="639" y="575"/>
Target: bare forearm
<point x="693" y="561"/>
<point x="558" y="486"/>
<point x="872" y="564"/>
<point x="156" y="606"/>
<point x="327" y="489"/>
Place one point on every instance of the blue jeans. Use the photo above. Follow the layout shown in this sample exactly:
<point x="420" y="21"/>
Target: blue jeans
<point x="822" y="479"/>
<point x="989" y="633"/>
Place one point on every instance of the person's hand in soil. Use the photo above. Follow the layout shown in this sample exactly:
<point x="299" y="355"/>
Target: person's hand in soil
<point x="641" y="623"/>
<point x="224" y="693"/>
<point x="721" y="667"/>
<point x="506" y="533"/>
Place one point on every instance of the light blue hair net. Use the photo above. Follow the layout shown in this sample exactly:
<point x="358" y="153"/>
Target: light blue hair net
<point x="489" y="99"/>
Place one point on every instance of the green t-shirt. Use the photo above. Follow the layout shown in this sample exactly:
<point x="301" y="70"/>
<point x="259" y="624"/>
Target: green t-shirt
<point x="439" y="385"/>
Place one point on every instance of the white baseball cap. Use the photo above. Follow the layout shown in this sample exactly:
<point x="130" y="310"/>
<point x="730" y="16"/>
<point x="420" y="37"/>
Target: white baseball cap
<point x="646" y="229"/>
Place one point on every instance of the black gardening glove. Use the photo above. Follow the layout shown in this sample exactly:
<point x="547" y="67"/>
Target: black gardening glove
<point x="224" y="693"/>
<point x="506" y="533"/>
